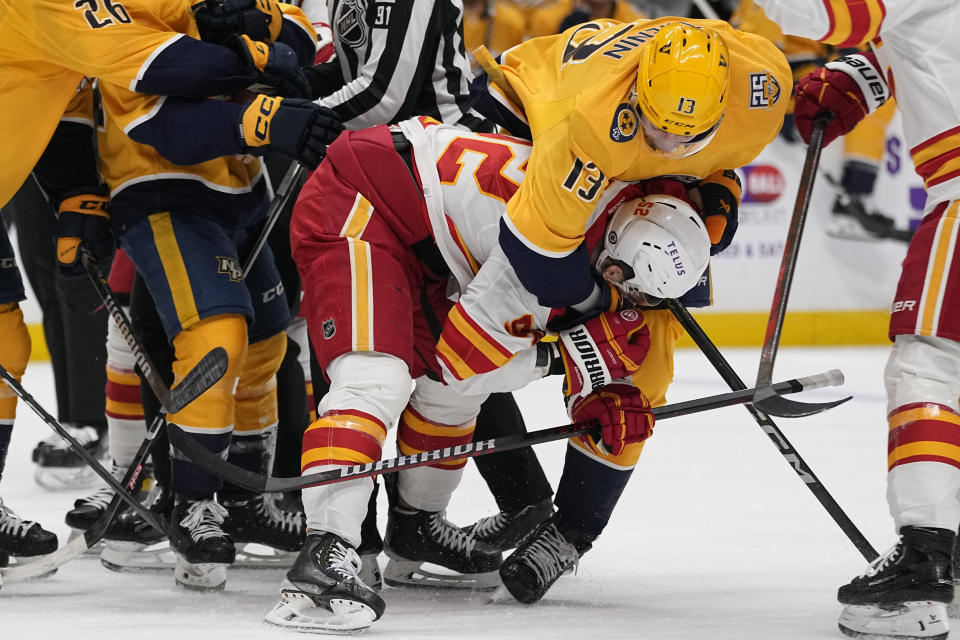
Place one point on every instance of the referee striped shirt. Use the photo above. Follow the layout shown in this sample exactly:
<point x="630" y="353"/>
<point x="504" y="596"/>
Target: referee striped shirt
<point x="399" y="59"/>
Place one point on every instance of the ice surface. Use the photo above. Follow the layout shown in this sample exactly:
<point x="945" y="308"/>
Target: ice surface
<point x="715" y="537"/>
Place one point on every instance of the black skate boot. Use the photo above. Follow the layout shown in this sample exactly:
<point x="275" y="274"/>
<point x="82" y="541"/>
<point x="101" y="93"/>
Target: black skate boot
<point x="323" y="590"/>
<point x="259" y="519"/>
<point x="417" y="537"/>
<point x="60" y="468"/>
<point x="507" y="530"/>
<point x="25" y="538"/>
<point x="530" y="571"/>
<point x="132" y="544"/>
<point x="203" y="549"/>
<point x="88" y="510"/>
<point x="903" y="594"/>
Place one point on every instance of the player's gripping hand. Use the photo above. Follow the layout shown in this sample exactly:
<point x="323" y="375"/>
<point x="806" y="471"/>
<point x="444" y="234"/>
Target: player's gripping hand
<point x="218" y="19"/>
<point x="610" y="346"/>
<point x="83" y="220"/>
<point x="849" y="88"/>
<point x="621" y="409"/>
<point x="720" y="196"/>
<point x="272" y="64"/>
<point x="297" y="129"/>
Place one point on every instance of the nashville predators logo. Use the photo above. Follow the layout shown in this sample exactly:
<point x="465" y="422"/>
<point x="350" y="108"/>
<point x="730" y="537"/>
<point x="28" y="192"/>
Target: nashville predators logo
<point x="228" y="266"/>
<point x="764" y="90"/>
<point x="624" y="126"/>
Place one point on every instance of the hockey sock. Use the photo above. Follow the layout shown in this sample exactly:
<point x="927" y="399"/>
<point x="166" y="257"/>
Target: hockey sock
<point x="429" y="487"/>
<point x="5" y="430"/>
<point x="255" y="422"/>
<point x="210" y="417"/>
<point x="124" y="408"/>
<point x="587" y="494"/>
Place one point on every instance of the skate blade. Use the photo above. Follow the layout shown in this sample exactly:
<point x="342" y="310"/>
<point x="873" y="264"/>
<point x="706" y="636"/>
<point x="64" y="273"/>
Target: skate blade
<point x="413" y="573"/>
<point x="501" y="596"/>
<point x="91" y="551"/>
<point x="134" y="557"/>
<point x="19" y="564"/>
<point x="923" y="620"/>
<point x="252" y="555"/>
<point x="299" y="612"/>
<point x="203" y="576"/>
<point x="66" y="478"/>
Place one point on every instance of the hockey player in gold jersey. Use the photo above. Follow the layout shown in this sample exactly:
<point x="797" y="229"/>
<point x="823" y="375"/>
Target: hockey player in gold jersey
<point x="628" y="101"/>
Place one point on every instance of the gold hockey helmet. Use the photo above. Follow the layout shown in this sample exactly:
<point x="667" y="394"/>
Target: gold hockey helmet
<point x="682" y="82"/>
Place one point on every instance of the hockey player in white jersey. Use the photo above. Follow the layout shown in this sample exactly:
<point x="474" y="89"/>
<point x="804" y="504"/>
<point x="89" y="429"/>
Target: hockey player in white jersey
<point x="915" y="54"/>
<point x="381" y="245"/>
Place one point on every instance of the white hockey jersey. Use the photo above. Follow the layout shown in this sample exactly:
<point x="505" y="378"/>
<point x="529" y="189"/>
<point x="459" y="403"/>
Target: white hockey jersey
<point x="916" y="43"/>
<point x="467" y="179"/>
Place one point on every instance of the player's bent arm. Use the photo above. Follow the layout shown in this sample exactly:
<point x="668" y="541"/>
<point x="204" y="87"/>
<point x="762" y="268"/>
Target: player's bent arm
<point x="122" y="47"/>
<point x="298" y="33"/>
<point x="69" y="162"/>
<point x="845" y="23"/>
<point x="542" y="230"/>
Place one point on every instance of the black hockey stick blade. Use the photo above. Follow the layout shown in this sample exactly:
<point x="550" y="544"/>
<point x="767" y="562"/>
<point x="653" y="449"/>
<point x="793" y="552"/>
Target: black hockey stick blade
<point x="212" y="463"/>
<point x="204" y="375"/>
<point x="42" y="565"/>
<point x="767" y="400"/>
<point x="92" y="462"/>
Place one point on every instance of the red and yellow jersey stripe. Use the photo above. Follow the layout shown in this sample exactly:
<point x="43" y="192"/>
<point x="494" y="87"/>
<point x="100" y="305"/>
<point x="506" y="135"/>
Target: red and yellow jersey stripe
<point x="416" y="434"/>
<point x="466" y="349"/>
<point x="923" y="432"/>
<point x="343" y="438"/>
<point x="853" y="22"/>
<point x="938" y="159"/>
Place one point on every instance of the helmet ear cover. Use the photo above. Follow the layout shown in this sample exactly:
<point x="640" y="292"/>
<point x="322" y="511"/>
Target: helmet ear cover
<point x="660" y="244"/>
<point x="682" y="79"/>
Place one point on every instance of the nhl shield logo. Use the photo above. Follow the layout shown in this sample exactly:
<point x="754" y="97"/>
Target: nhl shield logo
<point x="329" y="328"/>
<point x="228" y="266"/>
<point x="624" y="126"/>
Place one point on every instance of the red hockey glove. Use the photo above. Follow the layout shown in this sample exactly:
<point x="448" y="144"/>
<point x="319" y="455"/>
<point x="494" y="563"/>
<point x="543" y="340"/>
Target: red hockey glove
<point x="602" y="349"/>
<point x="720" y="195"/>
<point x="850" y="88"/>
<point x="83" y="220"/>
<point x="623" y="413"/>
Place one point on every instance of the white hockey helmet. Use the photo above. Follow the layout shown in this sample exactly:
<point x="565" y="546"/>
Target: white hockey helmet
<point x="660" y="245"/>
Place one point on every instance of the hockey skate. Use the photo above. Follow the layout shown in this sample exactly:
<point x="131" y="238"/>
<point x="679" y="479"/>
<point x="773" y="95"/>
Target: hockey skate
<point x="21" y="538"/>
<point x="530" y="571"/>
<point x="203" y="550"/>
<point x="508" y="530"/>
<point x="323" y="591"/>
<point x="59" y="468"/>
<point x="415" y="538"/>
<point x="904" y="593"/>
<point x="88" y="510"/>
<point x="268" y="532"/>
<point x="131" y="544"/>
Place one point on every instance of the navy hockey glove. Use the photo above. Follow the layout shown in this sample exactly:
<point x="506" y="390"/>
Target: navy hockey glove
<point x="219" y="19"/>
<point x="602" y="349"/>
<point x="720" y="196"/>
<point x="622" y="411"/>
<point x="83" y="220"/>
<point x="297" y="129"/>
<point x="275" y="65"/>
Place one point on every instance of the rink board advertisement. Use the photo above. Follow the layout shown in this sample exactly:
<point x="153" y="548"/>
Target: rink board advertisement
<point x="842" y="287"/>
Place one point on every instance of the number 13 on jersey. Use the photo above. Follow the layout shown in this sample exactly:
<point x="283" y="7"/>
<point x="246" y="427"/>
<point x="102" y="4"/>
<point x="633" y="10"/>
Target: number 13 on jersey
<point x="585" y="179"/>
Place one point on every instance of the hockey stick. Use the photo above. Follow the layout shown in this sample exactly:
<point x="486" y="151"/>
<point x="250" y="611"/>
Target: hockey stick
<point x="78" y="448"/>
<point x="280" y="199"/>
<point x="41" y="565"/>
<point x="766" y="399"/>
<point x="212" y="463"/>
<point x="210" y="368"/>
<point x="877" y="225"/>
<point x="783" y="445"/>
